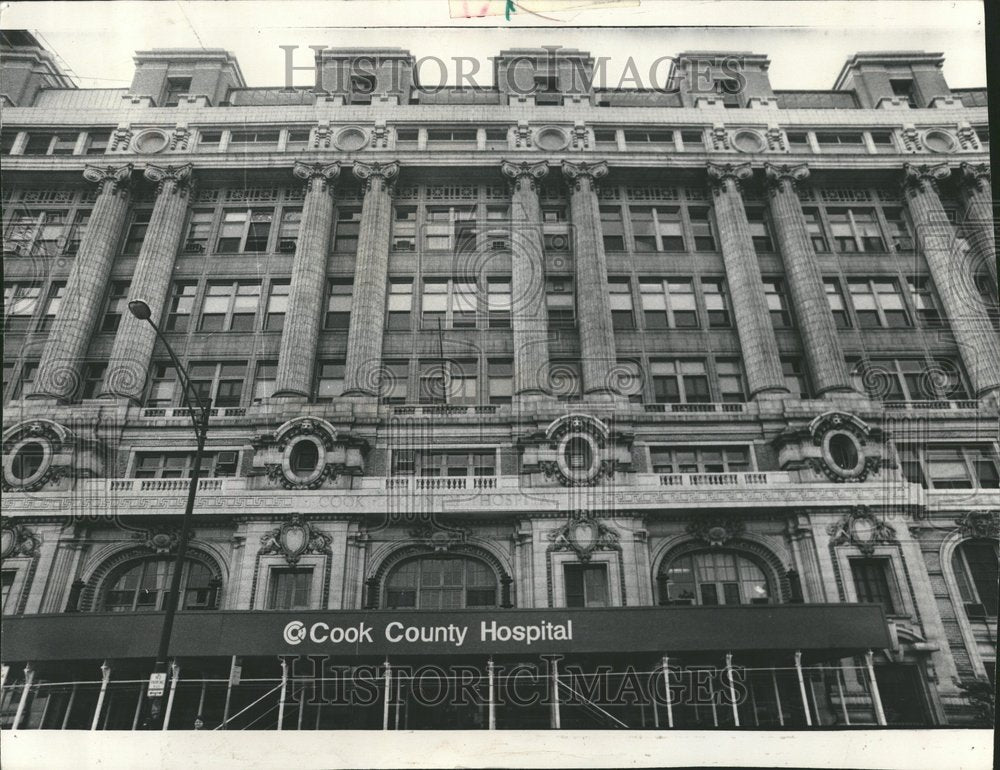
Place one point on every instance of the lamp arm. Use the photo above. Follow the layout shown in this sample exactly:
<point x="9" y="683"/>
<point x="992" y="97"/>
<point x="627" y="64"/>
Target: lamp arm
<point x="186" y="384"/>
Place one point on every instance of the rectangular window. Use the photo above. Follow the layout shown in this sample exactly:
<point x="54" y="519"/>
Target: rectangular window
<point x="668" y="304"/>
<point x="277" y="306"/>
<point x="814" y="225"/>
<point x="404" y="228"/>
<point x="176" y="88"/>
<point x="6" y="586"/>
<point x="759" y="231"/>
<point x="64" y="144"/>
<point x="298" y="139"/>
<point x="871" y="582"/>
<point x="922" y="295"/>
<point x="230" y="306"/>
<point x="38" y="144"/>
<point x="199" y="230"/>
<point x="97" y="142"/>
<point x="209" y="140"/>
<point x="899" y="230"/>
<point x="451" y="135"/>
<point x="730" y="374"/>
<point x="162" y="386"/>
<point x="263" y="380"/>
<point x="253" y="141"/>
<point x="560" y="303"/>
<point x="855" y="230"/>
<point x="329" y="381"/>
<point x="951" y="466"/>
<point x="500" y="375"/>
<point x="288" y="230"/>
<point x="555" y="229"/>
<point x="606" y="138"/>
<point x="345" y="237"/>
<point x="338" y="304"/>
<point x="620" y="295"/>
<point x="798" y="141"/>
<point x="903" y="88"/>
<point x="586" y="585"/>
<point x="657" y="228"/>
<point x="840" y="141"/>
<point x="400" y="304"/>
<point x="878" y="303"/>
<point x="52" y="304"/>
<point x="221" y="383"/>
<point x="449" y="304"/>
<point x="777" y="304"/>
<point x="795" y="378"/>
<point x="648" y="139"/>
<point x="290" y="588"/>
<point x="499" y="303"/>
<point x="93" y="377"/>
<point x="137" y="230"/>
<point x="20" y="300"/>
<point x="116" y="306"/>
<point x="448" y="382"/>
<point x="716" y="303"/>
<point x="612" y="228"/>
<point x="700" y="459"/>
<point x="180" y="465"/>
<point x="835" y="297"/>
<point x="244" y="231"/>
<point x="680" y="382"/>
<point x="883" y="141"/>
<point x="181" y="306"/>
<point x="911" y="379"/>
<point x="701" y="228"/>
<point x="395" y="382"/>
<point x="694" y="141"/>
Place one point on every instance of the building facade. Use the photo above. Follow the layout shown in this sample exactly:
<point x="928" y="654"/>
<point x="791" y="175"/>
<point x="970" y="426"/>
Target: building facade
<point x="690" y="393"/>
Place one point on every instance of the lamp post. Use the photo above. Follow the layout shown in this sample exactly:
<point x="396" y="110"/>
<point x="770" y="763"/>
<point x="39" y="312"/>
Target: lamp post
<point x="199" y="419"/>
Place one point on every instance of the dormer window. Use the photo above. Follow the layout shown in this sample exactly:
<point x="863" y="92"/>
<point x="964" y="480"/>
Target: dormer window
<point x="903" y="89"/>
<point x="728" y="90"/>
<point x="176" y="88"/>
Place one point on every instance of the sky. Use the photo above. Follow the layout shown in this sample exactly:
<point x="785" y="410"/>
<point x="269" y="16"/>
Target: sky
<point x="806" y="40"/>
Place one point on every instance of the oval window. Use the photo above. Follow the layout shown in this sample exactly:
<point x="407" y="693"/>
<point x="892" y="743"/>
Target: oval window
<point x="351" y="139"/>
<point x="844" y="452"/>
<point x="27" y="461"/>
<point x="304" y="458"/>
<point x="551" y="138"/>
<point x="152" y="140"/>
<point x="939" y="141"/>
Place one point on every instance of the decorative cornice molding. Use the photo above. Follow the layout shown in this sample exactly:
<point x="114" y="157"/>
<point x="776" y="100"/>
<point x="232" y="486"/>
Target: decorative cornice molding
<point x="119" y="177"/>
<point x="575" y="173"/>
<point x="524" y="174"/>
<point x="368" y="173"/>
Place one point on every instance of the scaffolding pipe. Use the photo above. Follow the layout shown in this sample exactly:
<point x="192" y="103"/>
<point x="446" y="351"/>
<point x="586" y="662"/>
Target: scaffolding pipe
<point x="281" y="697"/>
<point x="556" y="717"/>
<point x="492" y="723"/>
<point x="876" y="696"/>
<point x="840" y="693"/>
<point x="29" y="678"/>
<point x="175" y="674"/>
<point x="802" y="687"/>
<point x="229" y="694"/>
<point x="387" y="678"/>
<point x="732" y="689"/>
<point x="105" y="678"/>
<point x="69" y="706"/>
<point x="666" y="683"/>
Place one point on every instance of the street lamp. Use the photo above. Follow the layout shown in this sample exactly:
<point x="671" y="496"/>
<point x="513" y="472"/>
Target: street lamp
<point x="199" y="419"/>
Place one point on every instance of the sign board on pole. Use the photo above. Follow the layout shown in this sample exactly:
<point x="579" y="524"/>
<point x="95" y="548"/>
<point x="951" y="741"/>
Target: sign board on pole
<point x="157" y="685"/>
<point x="234" y="675"/>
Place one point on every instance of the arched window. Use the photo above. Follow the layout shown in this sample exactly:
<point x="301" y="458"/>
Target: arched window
<point x="714" y="577"/>
<point x="975" y="566"/>
<point x="143" y="585"/>
<point x="439" y="583"/>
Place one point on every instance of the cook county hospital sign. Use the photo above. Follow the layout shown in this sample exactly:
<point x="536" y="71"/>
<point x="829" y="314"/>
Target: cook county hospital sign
<point x="399" y="633"/>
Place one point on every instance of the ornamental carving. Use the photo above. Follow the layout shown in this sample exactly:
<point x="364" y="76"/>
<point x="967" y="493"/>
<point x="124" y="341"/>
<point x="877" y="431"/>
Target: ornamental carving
<point x="116" y="178"/>
<point x="307" y="453"/>
<point x="17" y="540"/>
<point x="380" y="136"/>
<point x="975" y="176"/>
<point x="575" y="173"/>
<point x="718" y="137"/>
<point x="584" y="534"/>
<point x="161" y="539"/>
<point x="862" y="529"/>
<point x="170" y="178"/>
<point x="577" y="450"/>
<point x="180" y="137"/>
<point x="835" y="445"/>
<point x="439" y="538"/>
<point x="295" y="538"/>
<point x="923" y="178"/>
<point x="783" y="177"/>
<point x="722" y="175"/>
<point x="381" y="175"/>
<point x="716" y="531"/>
<point x="319" y="177"/>
<point x="581" y="137"/>
<point x="524" y="175"/>
<point x="522" y="136"/>
<point x="121" y="139"/>
<point x="35" y="454"/>
<point x="979" y="524"/>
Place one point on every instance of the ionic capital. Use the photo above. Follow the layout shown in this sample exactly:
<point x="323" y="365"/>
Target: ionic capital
<point x="777" y="176"/>
<point x="172" y="178"/>
<point x="383" y="173"/>
<point x="119" y="177"/>
<point x="918" y="178"/>
<point x="721" y="174"/>
<point x="976" y="176"/>
<point x="575" y="173"/>
<point x="524" y="174"/>
<point x="319" y="177"/>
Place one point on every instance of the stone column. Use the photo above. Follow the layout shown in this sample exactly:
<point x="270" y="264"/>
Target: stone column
<point x="963" y="307"/>
<point x="307" y="290"/>
<point x="59" y="371"/>
<point x="133" y="349"/>
<point x="978" y="215"/>
<point x="364" y="340"/>
<point x="597" y="338"/>
<point x="746" y="288"/>
<point x="529" y="317"/>
<point x="805" y="283"/>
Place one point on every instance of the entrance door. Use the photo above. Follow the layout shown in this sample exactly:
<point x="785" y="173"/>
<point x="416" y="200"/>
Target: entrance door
<point x="902" y="695"/>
